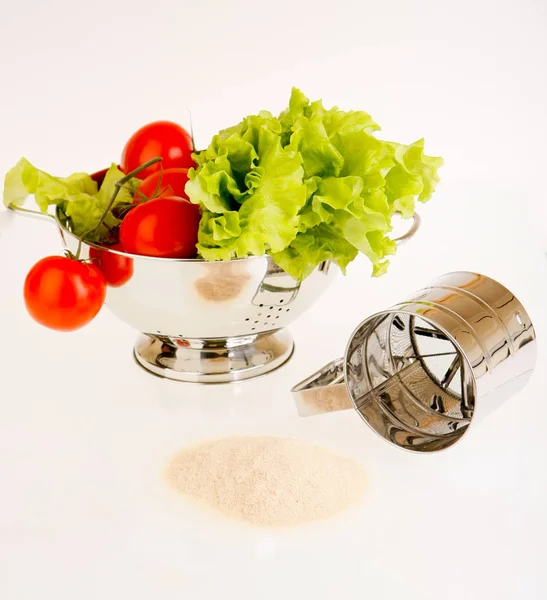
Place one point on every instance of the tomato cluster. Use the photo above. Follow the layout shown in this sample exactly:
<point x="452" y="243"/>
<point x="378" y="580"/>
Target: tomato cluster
<point x="65" y="293"/>
<point x="168" y="226"/>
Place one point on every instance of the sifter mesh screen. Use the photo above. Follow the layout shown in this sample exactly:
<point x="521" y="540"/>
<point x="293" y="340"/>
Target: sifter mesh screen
<point x="406" y="380"/>
<point x="437" y="354"/>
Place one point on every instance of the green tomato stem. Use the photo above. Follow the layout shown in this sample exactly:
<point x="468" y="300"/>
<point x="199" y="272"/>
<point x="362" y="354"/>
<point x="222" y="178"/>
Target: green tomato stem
<point x="156" y="191"/>
<point x="118" y="186"/>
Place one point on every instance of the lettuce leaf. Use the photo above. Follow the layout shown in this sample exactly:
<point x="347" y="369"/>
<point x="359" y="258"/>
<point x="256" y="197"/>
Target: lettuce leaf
<point x="25" y="179"/>
<point x="251" y="190"/>
<point x="77" y="195"/>
<point x="318" y="244"/>
<point x="308" y="186"/>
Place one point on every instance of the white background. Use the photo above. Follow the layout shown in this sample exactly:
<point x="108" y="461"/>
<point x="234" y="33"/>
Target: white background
<point x="84" y="433"/>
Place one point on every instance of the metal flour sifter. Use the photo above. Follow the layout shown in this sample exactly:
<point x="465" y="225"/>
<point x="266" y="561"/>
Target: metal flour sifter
<point x="421" y="371"/>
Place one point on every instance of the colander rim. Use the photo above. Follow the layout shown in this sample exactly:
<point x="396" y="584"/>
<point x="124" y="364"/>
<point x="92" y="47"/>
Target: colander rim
<point x="61" y="222"/>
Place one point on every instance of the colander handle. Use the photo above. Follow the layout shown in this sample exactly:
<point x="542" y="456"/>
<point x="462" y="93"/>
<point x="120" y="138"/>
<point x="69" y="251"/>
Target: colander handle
<point x="34" y="214"/>
<point x="277" y="287"/>
<point x="416" y="222"/>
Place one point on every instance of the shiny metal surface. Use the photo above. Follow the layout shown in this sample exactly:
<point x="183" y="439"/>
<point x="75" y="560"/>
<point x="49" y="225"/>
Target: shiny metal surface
<point x="324" y="391"/>
<point x="209" y="322"/>
<point x="241" y="358"/>
<point x="421" y="371"/>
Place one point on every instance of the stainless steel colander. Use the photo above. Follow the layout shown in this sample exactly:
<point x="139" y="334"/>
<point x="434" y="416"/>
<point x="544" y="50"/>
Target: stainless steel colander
<point x="209" y="322"/>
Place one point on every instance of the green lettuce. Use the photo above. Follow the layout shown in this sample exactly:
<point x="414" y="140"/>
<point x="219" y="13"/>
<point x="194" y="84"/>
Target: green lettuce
<point x="78" y="195"/>
<point x="251" y="190"/>
<point x="310" y="185"/>
<point x="316" y="245"/>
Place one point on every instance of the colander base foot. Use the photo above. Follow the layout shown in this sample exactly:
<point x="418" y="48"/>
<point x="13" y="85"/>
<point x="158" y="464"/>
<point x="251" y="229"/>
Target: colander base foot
<point x="223" y="360"/>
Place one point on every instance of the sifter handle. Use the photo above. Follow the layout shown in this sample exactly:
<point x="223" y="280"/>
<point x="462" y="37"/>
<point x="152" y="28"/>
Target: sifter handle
<point x="323" y="392"/>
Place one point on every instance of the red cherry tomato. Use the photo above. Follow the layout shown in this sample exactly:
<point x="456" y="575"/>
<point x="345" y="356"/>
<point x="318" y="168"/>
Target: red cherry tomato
<point x="161" y="138"/>
<point x="64" y="294"/>
<point x="166" y="227"/>
<point x="99" y="176"/>
<point x="116" y="268"/>
<point x="172" y="183"/>
<point x="169" y="182"/>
